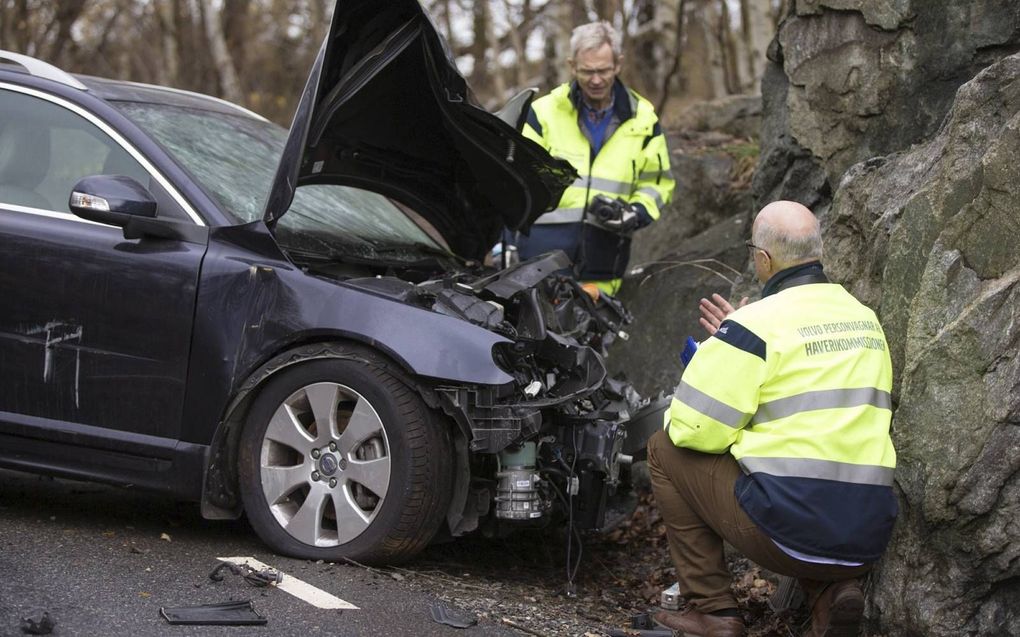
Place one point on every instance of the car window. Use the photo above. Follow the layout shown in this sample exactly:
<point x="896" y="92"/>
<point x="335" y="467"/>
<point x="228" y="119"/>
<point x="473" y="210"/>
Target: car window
<point x="235" y="157"/>
<point x="45" y="149"/>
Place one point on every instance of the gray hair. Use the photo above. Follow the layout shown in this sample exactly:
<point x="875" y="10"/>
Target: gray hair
<point x="592" y="36"/>
<point x="787" y="249"/>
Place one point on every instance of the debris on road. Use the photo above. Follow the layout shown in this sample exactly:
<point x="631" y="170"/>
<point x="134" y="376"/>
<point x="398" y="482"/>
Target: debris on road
<point x="240" y="613"/>
<point x="623" y="573"/>
<point x="294" y="586"/>
<point x="521" y="627"/>
<point x="38" y="622"/>
<point x="260" y="578"/>
<point x="443" y="614"/>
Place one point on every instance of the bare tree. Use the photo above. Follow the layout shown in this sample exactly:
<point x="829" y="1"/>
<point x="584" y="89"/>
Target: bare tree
<point x="258" y="52"/>
<point x="517" y="38"/>
<point x="15" y="27"/>
<point x="728" y="53"/>
<point x="757" y="28"/>
<point x="166" y="14"/>
<point x="678" y="55"/>
<point x="703" y="68"/>
<point x="226" y="70"/>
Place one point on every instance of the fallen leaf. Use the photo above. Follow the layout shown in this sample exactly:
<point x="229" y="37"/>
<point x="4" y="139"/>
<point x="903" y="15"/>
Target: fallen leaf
<point x="164" y="536"/>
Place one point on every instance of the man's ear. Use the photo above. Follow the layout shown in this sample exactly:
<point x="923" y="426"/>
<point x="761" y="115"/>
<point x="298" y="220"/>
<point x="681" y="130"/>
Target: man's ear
<point x="570" y="65"/>
<point x="619" y="63"/>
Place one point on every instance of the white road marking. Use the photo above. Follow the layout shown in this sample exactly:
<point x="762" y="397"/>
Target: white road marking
<point x="290" y="584"/>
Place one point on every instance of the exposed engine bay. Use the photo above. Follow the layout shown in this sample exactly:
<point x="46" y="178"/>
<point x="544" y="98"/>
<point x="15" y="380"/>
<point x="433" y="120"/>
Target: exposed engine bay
<point x="557" y="442"/>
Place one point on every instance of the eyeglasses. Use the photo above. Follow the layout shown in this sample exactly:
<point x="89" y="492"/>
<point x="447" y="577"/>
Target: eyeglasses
<point x="751" y="246"/>
<point x="587" y="74"/>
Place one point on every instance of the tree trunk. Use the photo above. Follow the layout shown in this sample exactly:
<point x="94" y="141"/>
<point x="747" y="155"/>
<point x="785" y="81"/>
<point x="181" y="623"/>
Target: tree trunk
<point x="235" y="31"/>
<point x="728" y="51"/>
<point x="644" y="54"/>
<point x="68" y="11"/>
<point x="702" y="59"/>
<point x="671" y="77"/>
<point x="517" y="38"/>
<point x="480" y="75"/>
<point x="226" y="70"/>
<point x="757" y="29"/>
<point x="166" y="13"/>
<point x="562" y="20"/>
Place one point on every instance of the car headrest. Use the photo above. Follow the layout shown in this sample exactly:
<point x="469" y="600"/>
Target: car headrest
<point x="24" y="154"/>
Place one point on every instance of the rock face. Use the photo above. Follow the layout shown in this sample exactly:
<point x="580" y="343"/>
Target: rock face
<point x="855" y="79"/>
<point x="930" y="238"/>
<point x="898" y="122"/>
<point x="736" y="115"/>
<point x="709" y="189"/>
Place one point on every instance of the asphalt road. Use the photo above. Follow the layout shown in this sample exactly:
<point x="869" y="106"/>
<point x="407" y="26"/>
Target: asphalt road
<point x="103" y="560"/>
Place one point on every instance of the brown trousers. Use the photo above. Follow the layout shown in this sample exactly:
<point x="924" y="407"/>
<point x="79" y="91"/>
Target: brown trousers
<point x="694" y="492"/>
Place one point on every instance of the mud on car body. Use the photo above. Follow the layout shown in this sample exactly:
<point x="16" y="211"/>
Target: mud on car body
<point x="297" y="326"/>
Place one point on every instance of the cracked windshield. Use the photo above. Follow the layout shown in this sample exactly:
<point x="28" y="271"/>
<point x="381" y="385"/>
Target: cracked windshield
<point x="235" y="159"/>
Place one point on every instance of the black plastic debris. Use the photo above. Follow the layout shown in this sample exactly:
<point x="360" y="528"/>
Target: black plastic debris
<point x="255" y="578"/>
<point x="240" y="613"/>
<point x="216" y="574"/>
<point x="37" y="623"/>
<point x="443" y="614"/>
<point x="264" y="578"/>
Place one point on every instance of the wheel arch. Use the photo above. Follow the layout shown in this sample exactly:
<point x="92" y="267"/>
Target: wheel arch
<point x="220" y="491"/>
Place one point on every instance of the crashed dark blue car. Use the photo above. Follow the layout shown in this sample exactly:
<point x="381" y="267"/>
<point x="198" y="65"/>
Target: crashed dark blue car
<point x="299" y="327"/>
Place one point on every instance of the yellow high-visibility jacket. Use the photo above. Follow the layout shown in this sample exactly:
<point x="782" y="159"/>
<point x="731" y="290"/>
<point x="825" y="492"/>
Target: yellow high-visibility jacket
<point x="633" y="165"/>
<point x="796" y="387"/>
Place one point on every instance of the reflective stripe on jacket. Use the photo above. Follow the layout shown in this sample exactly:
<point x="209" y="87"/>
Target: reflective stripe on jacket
<point x="633" y="165"/>
<point x="797" y="388"/>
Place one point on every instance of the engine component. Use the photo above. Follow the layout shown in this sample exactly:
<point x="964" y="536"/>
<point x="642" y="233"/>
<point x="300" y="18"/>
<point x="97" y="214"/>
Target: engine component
<point x="517" y="495"/>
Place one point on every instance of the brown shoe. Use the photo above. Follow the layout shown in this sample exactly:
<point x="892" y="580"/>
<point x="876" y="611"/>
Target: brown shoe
<point x="838" y="611"/>
<point x="694" y="624"/>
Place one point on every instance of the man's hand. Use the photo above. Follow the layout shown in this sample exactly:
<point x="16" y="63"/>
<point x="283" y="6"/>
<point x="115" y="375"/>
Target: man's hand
<point x="615" y="214"/>
<point x="714" y="312"/>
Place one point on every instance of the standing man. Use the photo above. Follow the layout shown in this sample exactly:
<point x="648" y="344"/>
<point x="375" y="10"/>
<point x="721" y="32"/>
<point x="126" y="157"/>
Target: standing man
<point x="612" y="137"/>
<point x="777" y="440"/>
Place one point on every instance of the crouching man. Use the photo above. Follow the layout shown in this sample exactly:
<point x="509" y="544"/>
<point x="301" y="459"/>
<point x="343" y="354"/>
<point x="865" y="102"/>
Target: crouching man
<point x="777" y="440"/>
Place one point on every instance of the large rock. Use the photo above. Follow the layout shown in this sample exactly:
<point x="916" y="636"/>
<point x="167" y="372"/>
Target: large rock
<point x="854" y="79"/>
<point x="663" y="298"/>
<point x="931" y="239"/>
<point x="712" y="172"/>
<point x="736" y="115"/>
<point x="917" y="181"/>
<point x="694" y="249"/>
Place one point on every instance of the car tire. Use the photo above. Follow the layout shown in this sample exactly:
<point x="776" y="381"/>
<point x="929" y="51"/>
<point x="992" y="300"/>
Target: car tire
<point x="340" y="459"/>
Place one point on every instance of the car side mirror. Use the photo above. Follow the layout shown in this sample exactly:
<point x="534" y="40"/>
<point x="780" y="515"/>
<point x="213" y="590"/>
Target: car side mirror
<point x="121" y="201"/>
<point x="111" y="199"/>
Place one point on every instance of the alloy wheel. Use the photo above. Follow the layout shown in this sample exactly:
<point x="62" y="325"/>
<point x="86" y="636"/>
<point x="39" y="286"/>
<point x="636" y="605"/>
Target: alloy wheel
<point x="325" y="464"/>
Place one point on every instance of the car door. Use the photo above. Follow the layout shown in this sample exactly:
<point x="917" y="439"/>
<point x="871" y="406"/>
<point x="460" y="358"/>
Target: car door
<point x="95" y="329"/>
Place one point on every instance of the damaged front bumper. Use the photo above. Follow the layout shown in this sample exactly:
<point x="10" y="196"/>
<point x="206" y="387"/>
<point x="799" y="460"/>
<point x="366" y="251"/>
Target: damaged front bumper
<point x="559" y="440"/>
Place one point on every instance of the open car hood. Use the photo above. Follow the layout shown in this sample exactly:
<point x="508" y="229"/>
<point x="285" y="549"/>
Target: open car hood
<point x="385" y="109"/>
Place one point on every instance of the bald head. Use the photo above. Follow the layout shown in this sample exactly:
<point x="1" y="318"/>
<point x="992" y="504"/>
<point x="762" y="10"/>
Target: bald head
<point x="789" y="233"/>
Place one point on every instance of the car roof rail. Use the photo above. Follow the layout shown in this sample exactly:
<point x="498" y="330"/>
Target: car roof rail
<point x="38" y="68"/>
